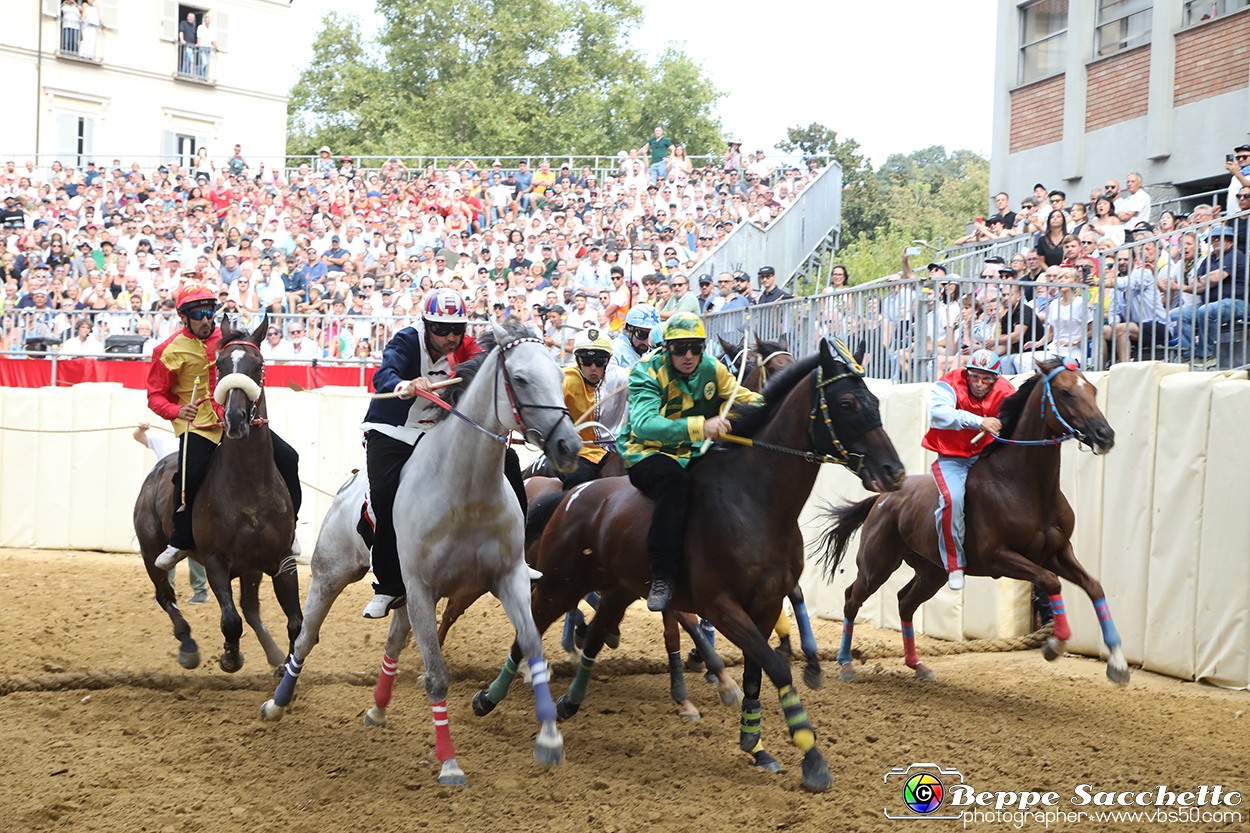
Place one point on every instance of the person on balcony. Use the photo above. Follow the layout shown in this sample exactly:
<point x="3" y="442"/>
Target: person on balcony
<point x="91" y="26"/>
<point x="206" y="43"/>
<point x="71" y="25"/>
<point x="186" y="45"/>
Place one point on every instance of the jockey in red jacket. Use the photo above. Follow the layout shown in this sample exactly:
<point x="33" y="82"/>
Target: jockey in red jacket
<point x="963" y="404"/>
<point x="183" y="364"/>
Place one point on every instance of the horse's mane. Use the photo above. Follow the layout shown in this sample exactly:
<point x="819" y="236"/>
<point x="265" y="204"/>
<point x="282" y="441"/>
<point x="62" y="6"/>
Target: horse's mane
<point x="468" y="370"/>
<point x="1013" y="407"/>
<point x="754" y="417"/>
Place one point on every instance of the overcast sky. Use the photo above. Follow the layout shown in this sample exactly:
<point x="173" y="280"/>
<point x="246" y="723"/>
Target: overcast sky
<point x="897" y="76"/>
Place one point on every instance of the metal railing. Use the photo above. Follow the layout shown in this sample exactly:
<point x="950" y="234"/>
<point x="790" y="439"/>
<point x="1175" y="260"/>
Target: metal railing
<point x="195" y="63"/>
<point x="788" y="240"/>
<point x="1106" y="308"/>
<point x="84" y="43"/>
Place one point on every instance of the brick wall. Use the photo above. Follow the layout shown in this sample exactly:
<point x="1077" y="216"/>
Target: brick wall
<point x="1037" y="114"/>
<point x="1118" y="88"/>
<point x="1212" y="59"/>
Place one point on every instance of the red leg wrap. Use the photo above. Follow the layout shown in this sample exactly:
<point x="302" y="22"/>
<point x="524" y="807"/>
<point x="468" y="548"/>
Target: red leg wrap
<point x="386" y="682"/>
<point x="444" y="749"/>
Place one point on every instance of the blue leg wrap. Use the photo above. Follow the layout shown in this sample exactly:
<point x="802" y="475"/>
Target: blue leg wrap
<point x="844" y="652"/>
<point x="286" y="689"/>
<point x="566" y="639"/>
<point x="708" y="631"/>
<point x="1109" y="634"/>
<point x="544" y="706"/>
<point x="592" y="599"/>
<point x="807" y="639"/>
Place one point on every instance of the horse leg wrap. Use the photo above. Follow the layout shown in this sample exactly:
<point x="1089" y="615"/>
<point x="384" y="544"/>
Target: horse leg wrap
<point x="783" y="625"/>
<point x="499" y="688"/>
<point x="444" y="749"/>
<point x="708" y="631"/>
<point x="749" y="728"/>
<point x="1062" y="630"/>
<point x="844" y="652"/>
<point x="807" y="639"/>
<point x="581" y="680"/>
<point x="386" y="682"/>
<point x="566" y="638"/>
<point x="676" y="680"/>
<point x="1109" y="634"/>
<point x="544" y="706"/>
<point x="802" y="734"/>
<point x="592" y="599"/>
<point x="286" y="689"/>
<point x="909" y="645"/>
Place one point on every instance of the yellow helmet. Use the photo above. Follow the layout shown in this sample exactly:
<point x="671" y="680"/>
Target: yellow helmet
<point x="684" y="325"/>
<point x="592" y="341"/>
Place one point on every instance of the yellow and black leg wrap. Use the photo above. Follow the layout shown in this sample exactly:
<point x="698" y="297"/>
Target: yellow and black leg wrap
<point x="749" y="734"/>
<point x="802" y="734"/>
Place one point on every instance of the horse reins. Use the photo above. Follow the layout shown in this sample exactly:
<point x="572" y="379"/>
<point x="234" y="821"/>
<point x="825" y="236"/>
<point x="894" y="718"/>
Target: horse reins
<point x="1048" y="401"/>
<point x="501" y="366"/>
<point x="763" y="365"/>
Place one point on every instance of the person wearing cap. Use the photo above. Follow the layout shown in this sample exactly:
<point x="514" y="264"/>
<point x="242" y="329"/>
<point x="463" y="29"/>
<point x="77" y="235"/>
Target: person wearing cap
<point x="1137" y="314"/>
<point x="768" y="279"/>
<point x="1239" y="167"/>
<point x="963" y="420"/>
<point x="181" y="365"/>
<point x="414" y="359"/>
<point x="675" y="397"/>
<point x="733" y="155"/>
<point x="635" y="341"/>
<point x="705" y="298"/>
<point x="324" y="164"/>
<point x="742" y="286"/>
<point x="1220" y="288"/>
<point x="595" y="390"/>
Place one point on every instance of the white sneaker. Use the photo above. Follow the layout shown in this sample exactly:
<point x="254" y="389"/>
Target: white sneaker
<point x="170" y="557"/>
<point x="382" y="605"/>
<point x="955" y="579"/>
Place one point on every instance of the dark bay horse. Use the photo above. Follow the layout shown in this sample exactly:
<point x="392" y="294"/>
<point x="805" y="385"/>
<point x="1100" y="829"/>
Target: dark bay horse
<point x="743" y="546"/>
<point x="243" y="518"/>
<point x="1018" y="522"/>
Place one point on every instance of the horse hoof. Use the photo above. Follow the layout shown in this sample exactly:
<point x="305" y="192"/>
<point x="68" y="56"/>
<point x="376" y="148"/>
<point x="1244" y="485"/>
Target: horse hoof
<point x="730" y="695"/>
<point x="482" y="704"/>
<point x="189" y="659"/>
<point x="687" y="711"/>
<point x="271" y="712"/>
<point x="816" y="775"/>
<point x="566" y="708"/>
<point x="694" y="665"/>
<point x="766" y="762"/>
<point x="847" y="673"/>
<point x="785" y="650"/>
<point x="375" y="717"/>
<point x="747" y="741"/>
<point x="1053" y="649"/>
<point x="613" y="640"/>
<point x="230" y="663"/>
<point x="926" y="675"/>
<point x="549" y="748"/>
<point x="279" y="671"/>
<point x="813" y="677"/>
<point x="710" y="678"/>
<point x="1118" y="674"/>
<point x="452" y="775"/>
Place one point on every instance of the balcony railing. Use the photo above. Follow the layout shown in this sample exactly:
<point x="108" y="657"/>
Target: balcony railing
<point x="196" y="63"/>
<point x="85" y="43"/>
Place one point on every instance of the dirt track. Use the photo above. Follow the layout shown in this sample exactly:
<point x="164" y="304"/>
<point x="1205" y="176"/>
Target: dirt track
<point x="195" y="758"/>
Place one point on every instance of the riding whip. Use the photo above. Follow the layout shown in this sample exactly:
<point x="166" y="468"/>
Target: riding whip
<point x="195" y="387"/>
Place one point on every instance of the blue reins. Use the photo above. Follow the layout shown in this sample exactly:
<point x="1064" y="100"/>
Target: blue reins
<point x="1048" y="400"/>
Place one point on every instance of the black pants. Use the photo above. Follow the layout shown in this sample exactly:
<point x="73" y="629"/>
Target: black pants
<point x="585" y="472"/>
<point x="384" y="459"/>
<point x="663" y="479"/>
<point x="198" y="451"/>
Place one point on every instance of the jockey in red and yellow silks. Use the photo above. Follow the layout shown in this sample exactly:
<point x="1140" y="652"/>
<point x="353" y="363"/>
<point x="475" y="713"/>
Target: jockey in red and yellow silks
<point x="963" y="404"/>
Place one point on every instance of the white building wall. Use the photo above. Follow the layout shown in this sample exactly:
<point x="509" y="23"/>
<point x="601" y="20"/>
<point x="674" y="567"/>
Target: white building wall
<point x="133" y="97"/>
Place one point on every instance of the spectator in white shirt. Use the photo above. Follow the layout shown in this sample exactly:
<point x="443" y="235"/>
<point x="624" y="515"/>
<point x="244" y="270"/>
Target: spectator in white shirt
<point x="1133" y="207"/>
<point x="275" y="348"/>
<point x="84" y="343"/>
<point x="302" y="347"/>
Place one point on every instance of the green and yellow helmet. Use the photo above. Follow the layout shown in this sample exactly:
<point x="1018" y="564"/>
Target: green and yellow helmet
<point x="684" y="325"/>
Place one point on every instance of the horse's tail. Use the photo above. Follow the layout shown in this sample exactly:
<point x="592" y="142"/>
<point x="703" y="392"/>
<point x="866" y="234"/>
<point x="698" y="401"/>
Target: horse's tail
<point x="844" y="520"/>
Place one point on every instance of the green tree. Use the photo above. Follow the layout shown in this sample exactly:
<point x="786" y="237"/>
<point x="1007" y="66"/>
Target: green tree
<point x="862" y="211"/>
<point x="500" y="76"/>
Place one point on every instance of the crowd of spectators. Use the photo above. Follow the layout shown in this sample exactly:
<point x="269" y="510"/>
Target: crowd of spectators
<point x="340" y="257"/>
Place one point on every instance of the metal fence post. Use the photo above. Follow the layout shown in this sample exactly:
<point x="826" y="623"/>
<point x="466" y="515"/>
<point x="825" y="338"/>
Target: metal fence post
<point x="53" y="357"/>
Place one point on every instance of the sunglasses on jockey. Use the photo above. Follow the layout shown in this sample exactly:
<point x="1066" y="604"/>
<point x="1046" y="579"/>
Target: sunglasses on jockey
<point x="200" y="314"/>
<point x="443" y="328"/>
<point x="593" y="360"/>
<point x="681" y="348"/>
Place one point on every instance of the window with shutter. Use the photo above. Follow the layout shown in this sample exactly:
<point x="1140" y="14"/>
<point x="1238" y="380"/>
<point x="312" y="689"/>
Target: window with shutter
<point x="221" y="28"/>
<point x="52" y="8"/>
<point x="67" y="138"/>
<point x="86" y="146"/>
<point x="169" y="20"/>
<point x="109" y="13"/>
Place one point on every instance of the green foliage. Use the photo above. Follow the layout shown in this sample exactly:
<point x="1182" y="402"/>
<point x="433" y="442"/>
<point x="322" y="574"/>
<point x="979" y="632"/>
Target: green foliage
<point x="505" y="77"/>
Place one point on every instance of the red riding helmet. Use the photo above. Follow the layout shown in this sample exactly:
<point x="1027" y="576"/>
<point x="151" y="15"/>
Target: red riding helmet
<point x="195" y="293"/>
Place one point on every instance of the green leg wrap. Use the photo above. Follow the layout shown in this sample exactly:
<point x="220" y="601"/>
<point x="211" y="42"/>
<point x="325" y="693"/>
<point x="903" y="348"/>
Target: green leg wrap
<point x="802" y="734"/>
<point x="749" y="734"/>
<point x="499" y="688"/>
<point x="581" y="682"/>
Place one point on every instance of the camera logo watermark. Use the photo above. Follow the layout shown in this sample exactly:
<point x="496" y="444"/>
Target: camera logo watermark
<point x="923" y="789"/>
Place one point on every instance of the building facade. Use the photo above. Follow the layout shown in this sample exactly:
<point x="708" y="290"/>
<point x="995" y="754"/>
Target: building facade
<point x="1091" y="90"/>
<point x="109" y="80"/>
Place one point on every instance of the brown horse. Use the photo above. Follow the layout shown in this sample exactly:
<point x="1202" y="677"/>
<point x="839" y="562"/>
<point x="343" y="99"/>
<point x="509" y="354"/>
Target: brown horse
<point x="1018" y="522"/>
<point x="743" y="546"/>
<point x="243" y="518"/>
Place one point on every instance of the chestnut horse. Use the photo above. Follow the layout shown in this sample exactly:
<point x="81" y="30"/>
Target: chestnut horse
<point x="1018" y="522"/>
<point x="244" y="519"/>
<point x="743" y="546"/>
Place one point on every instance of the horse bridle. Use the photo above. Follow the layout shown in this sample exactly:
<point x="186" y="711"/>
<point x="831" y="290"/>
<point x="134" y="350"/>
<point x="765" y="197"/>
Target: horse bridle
<point x="820" y="405"/>
<point x="501" y="366"/>
<point x="251" y="417"/>
<point x="763" y="365"/>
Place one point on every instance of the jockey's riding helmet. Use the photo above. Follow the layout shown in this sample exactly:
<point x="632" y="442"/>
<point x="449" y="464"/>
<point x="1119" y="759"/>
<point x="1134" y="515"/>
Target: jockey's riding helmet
<point x="195" y="294"/>
<point x="684" y="325"/>
<point x="987" y="361"/>
<point x="447" y="306"/>
<point x="593" y="344"/>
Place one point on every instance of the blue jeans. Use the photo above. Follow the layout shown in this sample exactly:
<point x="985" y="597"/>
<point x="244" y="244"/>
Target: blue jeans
<point x="188" y="59"/>
<point x="205" y="51"/>
<point x="658" y="171"/>
<point x="1209" y="317"/>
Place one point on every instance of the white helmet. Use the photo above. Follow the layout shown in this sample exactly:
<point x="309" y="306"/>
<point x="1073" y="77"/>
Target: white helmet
<point x="445" y="305"/>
